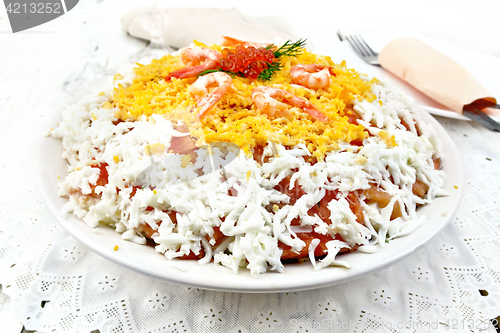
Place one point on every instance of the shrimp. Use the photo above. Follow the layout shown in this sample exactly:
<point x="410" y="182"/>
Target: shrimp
<point x="311" y="76"/>
<point x="265" y="98"/>
<point x="230" y="41"/>
<point x="197" y="60"/>
<point x="204" y="94"/>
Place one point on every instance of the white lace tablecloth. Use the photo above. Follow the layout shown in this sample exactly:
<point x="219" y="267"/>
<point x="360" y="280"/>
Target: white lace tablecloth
<point x="54" y="284"/>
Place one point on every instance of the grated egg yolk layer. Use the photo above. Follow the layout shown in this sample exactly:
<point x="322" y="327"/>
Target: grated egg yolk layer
<point x="236" y="119"/>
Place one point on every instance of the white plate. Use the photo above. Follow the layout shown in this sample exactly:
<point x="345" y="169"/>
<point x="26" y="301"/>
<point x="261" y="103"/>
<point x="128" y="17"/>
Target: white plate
<point x="144" y="259"/>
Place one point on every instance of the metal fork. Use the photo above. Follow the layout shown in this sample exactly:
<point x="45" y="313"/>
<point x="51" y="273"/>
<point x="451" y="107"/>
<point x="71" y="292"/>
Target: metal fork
<point x="361" y="48"/>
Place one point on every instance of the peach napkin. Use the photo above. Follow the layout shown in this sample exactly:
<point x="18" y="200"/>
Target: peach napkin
<point x="434" y="74"/>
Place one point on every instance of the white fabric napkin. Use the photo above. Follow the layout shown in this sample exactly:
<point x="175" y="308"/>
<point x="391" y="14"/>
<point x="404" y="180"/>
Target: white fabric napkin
<point x="180" y="26"/>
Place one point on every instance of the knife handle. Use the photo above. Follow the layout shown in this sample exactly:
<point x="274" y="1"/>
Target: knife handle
<point x="473" y="113"/>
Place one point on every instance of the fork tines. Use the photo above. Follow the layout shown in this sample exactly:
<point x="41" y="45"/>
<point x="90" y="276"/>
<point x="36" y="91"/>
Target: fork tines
<point x="359" y="43"/>
<point x="363" y="49"/>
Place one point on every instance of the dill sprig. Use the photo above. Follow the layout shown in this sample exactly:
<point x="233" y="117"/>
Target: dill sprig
<point x="289" y="49"/>
<point x="268" y="73"/>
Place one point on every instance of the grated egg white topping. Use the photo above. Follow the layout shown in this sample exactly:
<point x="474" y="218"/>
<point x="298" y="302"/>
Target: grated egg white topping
<point x="91" y="136"/>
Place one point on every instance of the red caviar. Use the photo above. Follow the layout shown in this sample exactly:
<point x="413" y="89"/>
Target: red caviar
<point x="249" y="61"/>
